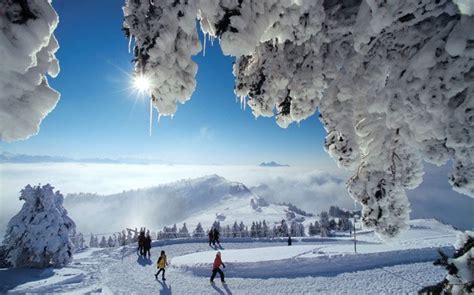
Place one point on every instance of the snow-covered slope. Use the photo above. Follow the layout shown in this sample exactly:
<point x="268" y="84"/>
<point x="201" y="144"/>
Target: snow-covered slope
<point x="310" y="266"/>
<point x="203" y="199"/>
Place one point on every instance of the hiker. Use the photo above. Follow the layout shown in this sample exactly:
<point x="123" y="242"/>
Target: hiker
<point x="141" y="243"/>
<point x="211" y="237"/>
<point x="215" y="235"/>
<point x="147" y="245"/>
<point x="289" y="240"/>
<point x="216" y="268"/>
<point x="161" y="264"/>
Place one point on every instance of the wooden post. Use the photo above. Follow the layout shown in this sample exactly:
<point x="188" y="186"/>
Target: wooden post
<point x="355" y="239"/>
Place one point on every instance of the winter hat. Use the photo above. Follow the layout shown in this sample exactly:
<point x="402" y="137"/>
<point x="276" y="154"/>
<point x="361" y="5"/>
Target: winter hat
<point x="218" y="253"/>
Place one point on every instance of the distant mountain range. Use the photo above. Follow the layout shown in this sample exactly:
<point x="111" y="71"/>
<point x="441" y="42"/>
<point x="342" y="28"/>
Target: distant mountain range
<point x="6" y="157"/>
<point x="272" y="164"/>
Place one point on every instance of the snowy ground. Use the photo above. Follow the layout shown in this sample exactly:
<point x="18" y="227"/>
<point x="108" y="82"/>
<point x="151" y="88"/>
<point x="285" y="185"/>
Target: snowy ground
<point x="309" y="266"/>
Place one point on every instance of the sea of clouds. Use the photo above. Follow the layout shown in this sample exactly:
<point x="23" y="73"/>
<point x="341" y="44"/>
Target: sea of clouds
<point x="312" y="189"/>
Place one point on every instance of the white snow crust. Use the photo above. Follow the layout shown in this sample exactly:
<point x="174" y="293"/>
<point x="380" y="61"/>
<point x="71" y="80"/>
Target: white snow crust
<point x="27" y="55"/>
<point x="392" y="81"/>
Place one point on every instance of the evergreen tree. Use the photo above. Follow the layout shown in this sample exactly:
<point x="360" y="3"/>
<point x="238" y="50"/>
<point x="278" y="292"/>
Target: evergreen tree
<point x="199" y="231"/>
<point x="91" y="241"/>
<point x="242" y="229"/>
<point x="110" y="242"/>
<point x="236" y="230"/>
<point x="183" y="231"/>
<point x="228" y="231"/>
<point x="283" y="229"/>
<point x="79" y="242"/>
<point x="253" y="230"/>
<point x="38" y="236"/>
<point x="103" y="242"/>
<point x="324" y="224"/>
<point x="265" y="229"/>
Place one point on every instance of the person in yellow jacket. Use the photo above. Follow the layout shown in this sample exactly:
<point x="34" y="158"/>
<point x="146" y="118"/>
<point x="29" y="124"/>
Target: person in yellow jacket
<point x="161" y="264"/>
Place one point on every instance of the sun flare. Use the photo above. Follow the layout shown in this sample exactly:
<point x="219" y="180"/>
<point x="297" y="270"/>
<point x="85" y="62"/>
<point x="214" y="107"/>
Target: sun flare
<point x="142" y="83"/>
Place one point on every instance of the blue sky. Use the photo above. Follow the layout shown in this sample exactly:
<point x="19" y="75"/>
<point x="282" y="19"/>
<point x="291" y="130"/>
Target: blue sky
<point x="99" y="116"/>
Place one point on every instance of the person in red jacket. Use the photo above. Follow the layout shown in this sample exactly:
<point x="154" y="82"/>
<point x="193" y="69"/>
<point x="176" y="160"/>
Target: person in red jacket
<point x="216" y="268"/>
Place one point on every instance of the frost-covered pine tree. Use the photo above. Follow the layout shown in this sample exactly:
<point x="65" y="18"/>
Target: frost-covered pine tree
<point x="253" y="230"/>
<point x="91" y="241"/>
<point x="110" y="242"/>
<point x="265" y="229"/>
<point x="79" y="242"/>
<point x="183" y="231"/>
<point x="324" y="224"/>
<point x="39" y="235"/>
<point x="199" y="231"/>
<point x="103" y="243"/>
<point x="236" y="230"/>
<point x="460" y="277"/>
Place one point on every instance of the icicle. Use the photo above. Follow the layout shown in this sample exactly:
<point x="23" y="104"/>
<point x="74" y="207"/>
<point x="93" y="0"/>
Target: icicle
<point x="130" y="44"/>
<point x="204" y="51"/>
<point x="151" y="115"/>
<point x="212" y="40"/>
<point x="243" y="102"/>
<point x="159" y="118"/>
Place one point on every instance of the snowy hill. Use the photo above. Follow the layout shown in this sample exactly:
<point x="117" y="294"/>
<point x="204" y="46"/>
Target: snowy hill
<point x="203" y="199"/>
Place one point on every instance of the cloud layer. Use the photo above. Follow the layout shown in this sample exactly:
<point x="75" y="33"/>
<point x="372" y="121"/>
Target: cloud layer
<point x="311" y="189"/>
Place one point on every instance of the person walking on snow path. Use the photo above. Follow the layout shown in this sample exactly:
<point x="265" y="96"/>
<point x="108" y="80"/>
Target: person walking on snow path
<point x="211" y="237"/>
<point x="216" y="268"/>
<point x="141" y="242"/>
<point x="147" y="246"/>
<point x="215" y="235"/>
<point x="161" y="264"/>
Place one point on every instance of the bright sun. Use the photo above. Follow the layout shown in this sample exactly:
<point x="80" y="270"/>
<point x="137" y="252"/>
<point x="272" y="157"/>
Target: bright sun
<point x="142" y="83"/>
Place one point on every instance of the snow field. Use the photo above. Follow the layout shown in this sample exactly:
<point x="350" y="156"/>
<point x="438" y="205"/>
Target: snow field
<point x="310" y="266"/>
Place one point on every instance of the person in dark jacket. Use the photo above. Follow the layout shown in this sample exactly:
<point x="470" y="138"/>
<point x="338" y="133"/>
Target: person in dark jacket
<point x="211" y="236"/>
<point x="147" y="245"/>
<point x="289" y="240"/>
<point x="141" y="243"/>
<point x="216" y="268"/>
<point x="216" y="237"/>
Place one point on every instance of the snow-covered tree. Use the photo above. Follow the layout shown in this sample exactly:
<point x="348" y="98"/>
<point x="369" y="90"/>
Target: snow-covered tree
<point x="236" y="230"/>
<point x="110" y="242"/>
<point x="265" y="229"/>
<point x="183" y="231"/>
<point x="39" y="235"/>
<point x="78" y="241"/>
<point x="27" y="56"/>
<point x="332" y="224"/>
<point x="391" y="81"/>
<point x="227" y="231"/>
<point x="324" y="224"/>
<point x="103" y="242"/>
<point x="460" y="277"/>
<point x="253" y="230"/>
<point x="199" y="231"/>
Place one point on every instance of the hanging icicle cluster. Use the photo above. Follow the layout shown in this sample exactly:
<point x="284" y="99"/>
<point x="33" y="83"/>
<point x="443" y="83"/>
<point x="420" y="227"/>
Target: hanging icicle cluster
<point x="393" y="81"/>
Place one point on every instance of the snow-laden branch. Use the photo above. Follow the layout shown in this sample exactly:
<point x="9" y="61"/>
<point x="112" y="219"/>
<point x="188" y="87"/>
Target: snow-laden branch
<point x="392" y="80"/>
<point x="27" y="48"/>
